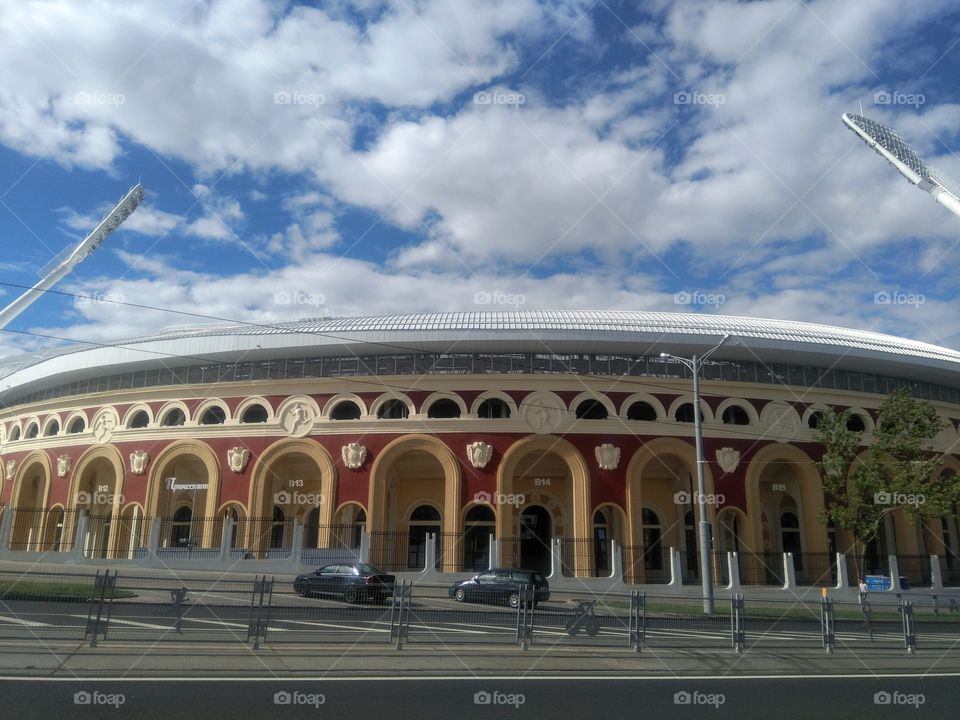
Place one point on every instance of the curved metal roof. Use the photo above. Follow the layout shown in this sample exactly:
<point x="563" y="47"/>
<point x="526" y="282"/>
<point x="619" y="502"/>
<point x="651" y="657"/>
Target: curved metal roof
<point x="629" y="332"/>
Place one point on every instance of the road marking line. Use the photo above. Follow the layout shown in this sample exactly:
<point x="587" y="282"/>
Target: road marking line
<point x="330" y="625"/>
<point x="120" y="621"/>
<point x="27" y="623"/>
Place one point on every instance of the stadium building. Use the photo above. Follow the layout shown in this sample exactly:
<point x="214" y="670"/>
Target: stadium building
<point x="536" y="430"/>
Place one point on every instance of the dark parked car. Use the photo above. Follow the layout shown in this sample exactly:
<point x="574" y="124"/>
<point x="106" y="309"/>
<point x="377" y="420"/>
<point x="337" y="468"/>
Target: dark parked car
<point x="351" y="582"/>
<point x="500" y="585"/>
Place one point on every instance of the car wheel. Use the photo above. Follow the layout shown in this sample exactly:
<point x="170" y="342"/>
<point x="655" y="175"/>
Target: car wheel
<point x="514" y="599"/>
<point x="460" y="595"/>
<point x="351" y="595"/>
<point x="301" y="591"/>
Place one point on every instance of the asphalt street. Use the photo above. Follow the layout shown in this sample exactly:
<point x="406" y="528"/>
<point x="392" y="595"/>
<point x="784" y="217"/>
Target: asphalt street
<point x="931" y="697"/>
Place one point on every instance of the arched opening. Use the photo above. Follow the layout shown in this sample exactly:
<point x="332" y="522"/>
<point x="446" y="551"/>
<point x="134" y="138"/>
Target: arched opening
<point x="53" y="540"/>
<point x="183" y="479"/>
<point x="76" y="426"/>
<point x="180" y="534"/>
<point x="15" y="433"/>
<point x="735" y="415"/>
<point x="602" y="528"/>
<point x="414" y="471"/>
<point x="293" y="479"/>
<point x="30" y="513"/>
<point x="213" y="415"/>
<point x="254" y="414"/>
<point x="235" y="514"/>
<point x="493" y="409"/>
<point x="139" y="420"/>
<point x="444" y="408"/>
<point x="278" y="530"/>
<point x="424" y="520"/>
<point x="345" y="410"/>
<point x="684" y="413"/>
<point x="52" y="429"/>
<point x="32" y="431"/>
<point x="652" y="543"/>
<point x="175" y="417"/>
<point x="393" y="409"/>
<point x="855" y="423"/>
<point x="131" y="532"/>
<point x="536" y="533"/>
<point x="790" y="538"/>
<point x="479" y="524"/>
<point x="350" y="523"/>
<point x="815" y="419"/>
<point x="642" y="411"/>
<point x="591" y="409"/>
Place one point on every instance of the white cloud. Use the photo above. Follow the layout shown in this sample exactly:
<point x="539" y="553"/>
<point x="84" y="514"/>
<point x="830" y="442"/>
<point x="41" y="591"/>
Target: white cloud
<point x="764" y="196"/>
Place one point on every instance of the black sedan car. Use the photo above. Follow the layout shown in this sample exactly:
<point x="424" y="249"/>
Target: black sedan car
<point x="501" y="585"/>
<point x="351" y="582"/>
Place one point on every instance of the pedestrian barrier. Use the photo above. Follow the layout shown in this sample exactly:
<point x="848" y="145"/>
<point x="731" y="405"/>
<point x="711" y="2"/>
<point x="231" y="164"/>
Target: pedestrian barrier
<point x="108" y="606"/>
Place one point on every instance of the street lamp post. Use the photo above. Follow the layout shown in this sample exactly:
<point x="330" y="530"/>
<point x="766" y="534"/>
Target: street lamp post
<point x="706" y="532"/>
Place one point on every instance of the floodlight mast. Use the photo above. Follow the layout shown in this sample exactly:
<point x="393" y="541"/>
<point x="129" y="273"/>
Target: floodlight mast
<point x="60" y="268"/>
<point x="888" y="143"/>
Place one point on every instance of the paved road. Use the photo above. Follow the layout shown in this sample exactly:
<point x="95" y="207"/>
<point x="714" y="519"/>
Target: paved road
<point x="225" y="614"/>
<point x="568" y="698"/>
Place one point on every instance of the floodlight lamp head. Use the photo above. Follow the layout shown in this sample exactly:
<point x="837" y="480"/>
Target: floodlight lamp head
<point x="890" y="145"/>
<point x="887" y="143"/>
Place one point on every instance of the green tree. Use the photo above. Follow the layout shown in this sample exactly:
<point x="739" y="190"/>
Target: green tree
<point x="898" y="471"/>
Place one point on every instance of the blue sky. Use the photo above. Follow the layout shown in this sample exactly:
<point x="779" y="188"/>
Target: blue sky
<point x="366" y="157"/>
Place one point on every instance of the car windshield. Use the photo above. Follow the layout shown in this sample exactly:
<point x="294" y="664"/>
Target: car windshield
<point x="368" y="569"/>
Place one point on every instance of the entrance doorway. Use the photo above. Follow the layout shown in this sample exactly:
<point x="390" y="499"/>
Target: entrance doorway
<point x="536" y="532"/>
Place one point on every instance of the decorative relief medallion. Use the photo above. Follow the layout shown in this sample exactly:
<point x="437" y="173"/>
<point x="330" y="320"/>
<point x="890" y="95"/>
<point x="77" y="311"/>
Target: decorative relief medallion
<point x="728" y="459"/>
<point x="779" y="421"/>
<point x="479" y="454"/>
<point x="11" y="469"/>
<point x="297" y="419"/>
<point x="103" y="426"/>
<point x="542" y="412"/>
<point x="63" y="465"/>
<point x="608" y="456"/>
<point x="353" y="455"/>
<point x="138" y="461"/>
<point x="237" y="458"/>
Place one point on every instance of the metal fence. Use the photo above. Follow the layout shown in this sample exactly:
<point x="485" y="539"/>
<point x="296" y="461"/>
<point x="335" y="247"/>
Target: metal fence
<point x="111" y="607"/>
<point x="645" y="565"/>
<point x="42" y="529"/>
